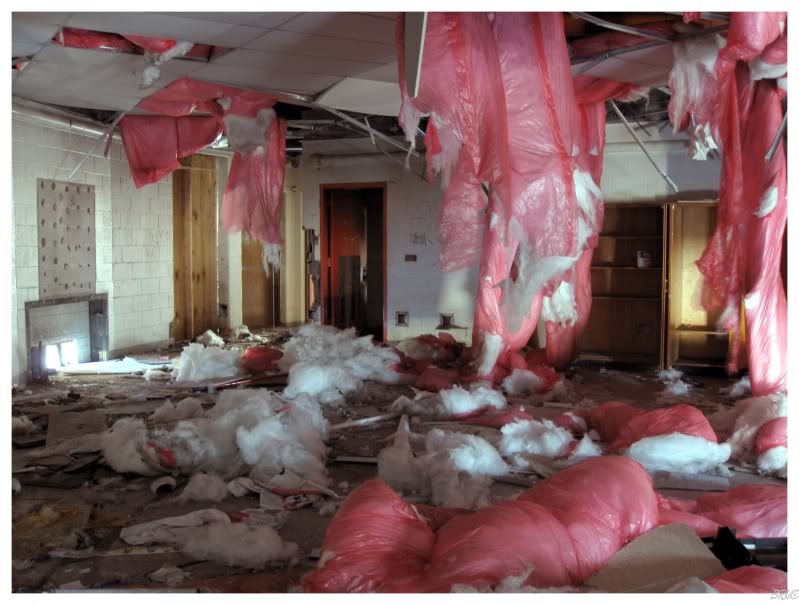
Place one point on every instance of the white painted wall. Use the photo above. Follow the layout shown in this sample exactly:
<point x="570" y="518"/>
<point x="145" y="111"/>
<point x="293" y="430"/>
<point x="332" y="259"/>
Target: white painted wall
<point x="134" y="237"/>
<point x="413" y="207"/>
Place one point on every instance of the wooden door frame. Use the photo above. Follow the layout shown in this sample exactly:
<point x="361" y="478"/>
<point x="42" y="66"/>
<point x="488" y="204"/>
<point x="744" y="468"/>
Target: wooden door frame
<point x="323" y="244"/>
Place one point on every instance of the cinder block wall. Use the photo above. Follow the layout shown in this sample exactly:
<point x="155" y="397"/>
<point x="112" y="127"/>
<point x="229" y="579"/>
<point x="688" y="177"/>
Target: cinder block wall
<point x="133" y="237"/>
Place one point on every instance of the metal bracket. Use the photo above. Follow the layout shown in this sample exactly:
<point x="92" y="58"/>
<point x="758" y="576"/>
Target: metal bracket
<point x="777" y="138"/>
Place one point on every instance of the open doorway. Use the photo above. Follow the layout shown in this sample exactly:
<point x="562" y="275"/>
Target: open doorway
<point x="353" y="253"/>
<point x="261" y="287"/>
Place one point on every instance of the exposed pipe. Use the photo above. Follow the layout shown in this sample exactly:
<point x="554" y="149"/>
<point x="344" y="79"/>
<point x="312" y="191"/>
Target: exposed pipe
<point x="642" y="146"/>
<point x="777" y="138"/>
<point x="621" y="28"/>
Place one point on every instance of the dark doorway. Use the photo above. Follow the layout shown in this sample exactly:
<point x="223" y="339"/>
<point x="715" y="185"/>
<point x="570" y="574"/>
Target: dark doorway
<point x="353" y="257"/>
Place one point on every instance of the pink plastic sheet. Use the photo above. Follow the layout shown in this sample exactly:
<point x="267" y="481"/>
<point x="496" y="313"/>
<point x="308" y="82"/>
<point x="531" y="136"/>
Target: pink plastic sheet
<point x="750" y="579"/>
<point x="741" y="262"/>
<point x="566" y="527"/>
<point x="254" y="191"/>
<point x="155" y="144"/>
<point x="772" y="434"/>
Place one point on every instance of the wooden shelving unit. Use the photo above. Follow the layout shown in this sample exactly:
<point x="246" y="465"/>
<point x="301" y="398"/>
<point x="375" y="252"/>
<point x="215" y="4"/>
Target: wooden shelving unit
<point x="628" y="308"/>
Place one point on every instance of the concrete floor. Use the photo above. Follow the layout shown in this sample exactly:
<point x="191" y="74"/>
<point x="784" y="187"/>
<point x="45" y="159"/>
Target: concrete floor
<point x="85" y="505"/>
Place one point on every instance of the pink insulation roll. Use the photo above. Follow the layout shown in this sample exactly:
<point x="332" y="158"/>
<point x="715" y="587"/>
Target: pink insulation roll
<point x="750" y="579"/>
<point x="681" y="418"/>
<point x="565" y="528"/>
<point x="773" y="433"/>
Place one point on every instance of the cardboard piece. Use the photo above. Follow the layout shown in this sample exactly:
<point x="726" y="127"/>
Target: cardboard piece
<point x="656" y="561"/>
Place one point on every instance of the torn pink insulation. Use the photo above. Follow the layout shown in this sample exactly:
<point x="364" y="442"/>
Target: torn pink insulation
<point x="565" y="528"/>
<point x="155" y="144"/>
<point x="750" y="579"/>
<point x="612" y="40"/>
<point x="254" y="191"/>
<point x="714" y="91"/>
<point x="563" y="337"/>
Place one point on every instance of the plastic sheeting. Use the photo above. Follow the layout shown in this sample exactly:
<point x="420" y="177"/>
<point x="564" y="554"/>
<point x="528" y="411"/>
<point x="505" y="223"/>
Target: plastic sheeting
<point x="750" y="579"/>
<point x="719" y="96"/>
<point x="155" y="144"/>
<point x="565" y="528"/>
<point x="254" y="191"/>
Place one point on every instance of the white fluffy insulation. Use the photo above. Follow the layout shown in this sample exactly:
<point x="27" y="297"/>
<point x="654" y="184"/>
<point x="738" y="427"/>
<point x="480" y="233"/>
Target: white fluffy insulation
<point x="204" y="487"/>
<point x="198" y="363"/>
<point x="417" y="349"/>
<point x="22" y="425"/>
<point x="190" y="407"/>
<point x="750" y="414"/>
<point x="512" y="584"/>
<point x="742" y="388"/>
<point x="680" y="453"/>
<point x="542" y="438"/>
<point x="239" y="545"/>
<point x="456" y="469"/>
<point x="522" y="382"/>
<point x="675" y="386"/>
<point x="328" y="363"/>
<point x="210" y="339"/>
<point x="248" y="431"/>
<point x="456" y="401"/>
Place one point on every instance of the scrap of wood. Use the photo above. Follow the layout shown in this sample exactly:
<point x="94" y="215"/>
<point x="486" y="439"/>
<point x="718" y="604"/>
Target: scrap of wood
<point x="355" y="459"/>
<point x="690" y="481"/>
<point x="364" y="421"/>
<point x="40" y="396"/>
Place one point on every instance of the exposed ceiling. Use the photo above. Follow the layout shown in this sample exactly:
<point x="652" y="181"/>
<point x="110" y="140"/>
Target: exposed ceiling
<point x="304" y="53"/>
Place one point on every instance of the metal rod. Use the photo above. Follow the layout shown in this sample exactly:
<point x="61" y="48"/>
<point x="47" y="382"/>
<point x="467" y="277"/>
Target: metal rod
<point x="593" y="63"/>
<point x="777" y="138"/>
<point x="622" y="28"/>
<point x="642" y="146"/>
<point x="708" y="16"/>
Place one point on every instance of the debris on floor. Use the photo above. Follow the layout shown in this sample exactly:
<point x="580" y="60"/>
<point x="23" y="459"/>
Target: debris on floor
<point x="165" y="485"/>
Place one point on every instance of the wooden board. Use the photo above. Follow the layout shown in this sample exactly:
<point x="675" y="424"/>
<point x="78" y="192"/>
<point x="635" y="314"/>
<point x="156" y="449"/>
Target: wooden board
<point x="194" y="246"/>
<point x="258" y="310"/>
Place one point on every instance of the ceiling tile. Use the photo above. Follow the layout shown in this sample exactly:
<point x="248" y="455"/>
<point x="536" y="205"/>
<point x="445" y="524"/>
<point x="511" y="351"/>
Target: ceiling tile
<point x="386" y="15"/>
<point x="352" y="26"/>
<point x="662" y="56"/>
<point x="35" y="27"/>
<point x="159" y="26"/>
<point x="289" y="81"/>
<point x="113" y="62"/>
<point x="317" y="65"/>
<point x="262" y="20"/>
<point x="384" y="73"/>
<point x="364" y="96"/>
<point x="236" y="37"/>
<point x="324" y="46"/>
<point x="24" y="49"/>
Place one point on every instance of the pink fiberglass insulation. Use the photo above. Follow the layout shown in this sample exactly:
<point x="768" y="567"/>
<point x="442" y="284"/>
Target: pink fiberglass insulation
<point x="609" y="418"/>
<point x="750" y="579"/>
<point x="773" y="433"/>
<point x="566" y="527"/>
<point x="682" y="418"/>
<point x="715" y="94"/>
<point x="155" y="144"/>
<point x="254" y="191"/>
<point x="563" y="338"/>
<point x="499" y="94"/>
<point x="753" y="510"/>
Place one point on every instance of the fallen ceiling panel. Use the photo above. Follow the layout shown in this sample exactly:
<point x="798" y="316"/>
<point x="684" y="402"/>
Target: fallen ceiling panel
<point x="289" y="81"/>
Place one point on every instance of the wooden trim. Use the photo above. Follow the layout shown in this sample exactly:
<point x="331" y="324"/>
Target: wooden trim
<point x="323" y="245"/>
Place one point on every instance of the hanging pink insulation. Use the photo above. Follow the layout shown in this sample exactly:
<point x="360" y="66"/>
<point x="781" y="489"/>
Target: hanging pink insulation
<point x="563" y="338"/>
<point x="254" y="191"/>
<point x="750" y="579"/>
<point x="155" y="144"/>
<point x="715" y="89"/>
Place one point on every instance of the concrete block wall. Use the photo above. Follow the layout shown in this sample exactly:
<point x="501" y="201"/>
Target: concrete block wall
<point x="137" y="276"/>
<point x="420" y="288"/>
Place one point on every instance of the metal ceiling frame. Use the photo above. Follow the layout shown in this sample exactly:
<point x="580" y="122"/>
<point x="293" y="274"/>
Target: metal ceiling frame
<point x="619" y="27"/>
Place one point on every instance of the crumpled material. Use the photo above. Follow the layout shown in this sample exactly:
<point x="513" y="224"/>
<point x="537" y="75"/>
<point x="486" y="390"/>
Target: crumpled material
<point x="254" y="191"/>
<point x="726" y="94"/>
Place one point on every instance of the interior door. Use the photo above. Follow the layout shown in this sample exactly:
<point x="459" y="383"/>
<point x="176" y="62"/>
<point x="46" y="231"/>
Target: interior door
<point x="346" y="214"/>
